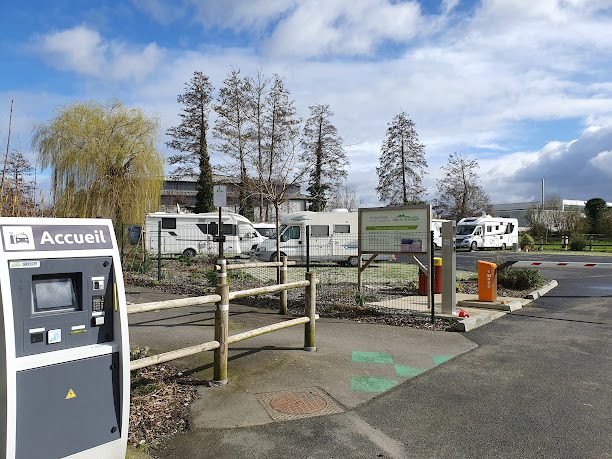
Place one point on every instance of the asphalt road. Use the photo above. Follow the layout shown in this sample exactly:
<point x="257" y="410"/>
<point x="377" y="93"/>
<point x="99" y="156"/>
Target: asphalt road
<point x="538" y="385"/>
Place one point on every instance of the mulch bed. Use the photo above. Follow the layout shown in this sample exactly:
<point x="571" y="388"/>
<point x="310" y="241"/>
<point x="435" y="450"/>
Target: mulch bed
<point x="159" y="405"/>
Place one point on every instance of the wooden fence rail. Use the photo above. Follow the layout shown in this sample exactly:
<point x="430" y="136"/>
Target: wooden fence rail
<point x="222" y="298"/>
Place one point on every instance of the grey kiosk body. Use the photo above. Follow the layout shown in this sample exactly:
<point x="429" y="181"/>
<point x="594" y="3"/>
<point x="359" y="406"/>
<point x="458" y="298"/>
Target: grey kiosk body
<point x="64" y="351"/>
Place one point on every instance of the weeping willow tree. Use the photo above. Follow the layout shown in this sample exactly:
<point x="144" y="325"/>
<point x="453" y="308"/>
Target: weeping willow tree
<point x="103" y="161"/>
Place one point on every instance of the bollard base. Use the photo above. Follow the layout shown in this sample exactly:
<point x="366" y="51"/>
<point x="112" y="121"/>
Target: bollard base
<point x="221" y="382"/>
<point x="310" y="349"/>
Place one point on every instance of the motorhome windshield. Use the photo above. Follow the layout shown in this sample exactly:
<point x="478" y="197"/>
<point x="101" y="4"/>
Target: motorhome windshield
<point x="292" y="232"/>
<point x="464" y="230"/>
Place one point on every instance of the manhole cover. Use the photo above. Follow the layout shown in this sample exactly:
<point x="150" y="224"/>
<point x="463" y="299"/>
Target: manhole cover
<point x="288" y="405"/>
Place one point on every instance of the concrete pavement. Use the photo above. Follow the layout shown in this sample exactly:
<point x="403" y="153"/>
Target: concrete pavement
<point x="354" y="361"/>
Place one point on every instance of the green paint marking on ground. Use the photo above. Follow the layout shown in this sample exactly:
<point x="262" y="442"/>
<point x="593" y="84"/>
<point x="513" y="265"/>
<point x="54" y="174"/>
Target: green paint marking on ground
<point x="439" y="359"/>
<point x="407" y="372"/>
<point x="372" y="383"/>
<point x="372" y="357"/>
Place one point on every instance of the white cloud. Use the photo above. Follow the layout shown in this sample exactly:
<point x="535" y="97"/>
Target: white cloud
<point x="344" y="27"/>
<point x="83" y="51"/>
<point x="578" y="169"/>
<point x="603" y="162"/>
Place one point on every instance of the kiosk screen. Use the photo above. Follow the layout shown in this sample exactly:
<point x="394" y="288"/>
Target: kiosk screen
<point x="54" y="293"/>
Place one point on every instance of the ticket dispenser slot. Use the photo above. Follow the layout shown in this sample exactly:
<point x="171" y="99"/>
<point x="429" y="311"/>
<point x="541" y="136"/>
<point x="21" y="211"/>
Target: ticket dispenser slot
<point x="65" y="362"/>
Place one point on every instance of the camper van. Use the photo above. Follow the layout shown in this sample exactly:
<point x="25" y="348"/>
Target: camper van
<point x="333" y="237"/>
<point x="436" y="227"/>
<point x="192" y="234"/>
<point x="265" y="229"/>
<point x="487" y="232"/>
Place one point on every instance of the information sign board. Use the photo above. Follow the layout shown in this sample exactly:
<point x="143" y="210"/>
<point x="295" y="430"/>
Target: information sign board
<point x="220" y="196"/>
<point x="394" y="230"/>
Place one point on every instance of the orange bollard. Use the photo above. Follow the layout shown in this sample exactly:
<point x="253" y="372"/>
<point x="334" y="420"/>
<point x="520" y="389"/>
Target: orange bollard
<point x="487" y="281"/>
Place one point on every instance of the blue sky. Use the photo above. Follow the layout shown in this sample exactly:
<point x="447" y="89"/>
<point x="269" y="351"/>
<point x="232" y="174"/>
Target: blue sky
<point x="524" y="87"/>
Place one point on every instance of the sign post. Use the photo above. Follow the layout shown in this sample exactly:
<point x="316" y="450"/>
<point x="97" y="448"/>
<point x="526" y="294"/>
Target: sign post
<point x="220" y="201"/>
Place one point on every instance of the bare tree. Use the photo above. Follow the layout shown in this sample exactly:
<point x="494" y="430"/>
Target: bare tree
<point x="189" y="139"/>
<point x="402" y="163"/>
<point x="324" y="154"/>
<point x="281" y="130"/>
<point x="460" y="194"/>
<point x="18" y="199"/>
<point x="344" y="197"/>
<point x="256" y="111"/>
<point x="231" y="129"/>
<point x="288" y="172"/>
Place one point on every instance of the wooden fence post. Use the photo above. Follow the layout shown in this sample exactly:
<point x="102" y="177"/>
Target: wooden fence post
<point x="283" y="280"/>
<point x="310" y="295"/>
<point x="221" y="325"/>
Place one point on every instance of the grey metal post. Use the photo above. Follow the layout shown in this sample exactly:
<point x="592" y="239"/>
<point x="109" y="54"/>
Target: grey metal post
<point x="449" y="268"/>
<point x="283" y="280"/>
<point x="307" y="248"/>
<point x="159" y="250"/>
<point x="432" y="295"/>
<point x="310" y="297"/>
<point x="221" y="325"/>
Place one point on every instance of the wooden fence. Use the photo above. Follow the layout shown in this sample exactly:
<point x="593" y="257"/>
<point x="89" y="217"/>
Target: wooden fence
<point x="222" y="298"/>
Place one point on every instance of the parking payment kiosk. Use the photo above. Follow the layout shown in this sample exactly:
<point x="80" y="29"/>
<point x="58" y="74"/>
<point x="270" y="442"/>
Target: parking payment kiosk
<point x="64" y="351"/>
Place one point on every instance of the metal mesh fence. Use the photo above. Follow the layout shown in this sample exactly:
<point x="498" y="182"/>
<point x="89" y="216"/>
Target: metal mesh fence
<point x="185" y="263"/>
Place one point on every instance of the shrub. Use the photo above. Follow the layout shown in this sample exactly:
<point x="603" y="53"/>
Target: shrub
<point x="520" y="278"/>
<point x="526" y="241"/>
<point x="577" y="243"/>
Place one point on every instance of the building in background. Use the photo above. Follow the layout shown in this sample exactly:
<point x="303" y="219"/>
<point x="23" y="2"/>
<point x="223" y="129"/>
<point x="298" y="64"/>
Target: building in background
<point x="520" y="210"/>
<point x="182" y="192"/>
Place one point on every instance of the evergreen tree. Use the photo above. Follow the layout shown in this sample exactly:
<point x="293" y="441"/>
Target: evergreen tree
<point x="460" y="194"/>
<point x="402" y="164"/>
<point x="595" y="209"/>
<point x="323" y="155"/>
<point x="189" y="139"/>
<point x="231" y="129"/>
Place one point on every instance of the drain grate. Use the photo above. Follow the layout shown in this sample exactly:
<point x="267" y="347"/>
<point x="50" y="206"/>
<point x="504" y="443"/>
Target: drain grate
<point x="298" y="404"/>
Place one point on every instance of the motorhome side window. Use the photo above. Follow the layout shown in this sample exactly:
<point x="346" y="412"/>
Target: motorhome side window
<point x="319" y="231"/>
<point x="292" y="232"/>
<point x="489" y="229"/>
<point x="342" y="228"/>
<point x="168" y="223"/>
<point x="509" y="228"/>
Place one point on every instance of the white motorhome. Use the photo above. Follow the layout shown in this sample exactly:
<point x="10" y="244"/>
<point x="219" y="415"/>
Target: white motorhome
<point x="487" y="232"/>
<point x="265" y="229"/>
<point x="333" y="237"/>
<point x="436" y="227"/>
<point x="192" y="234"/>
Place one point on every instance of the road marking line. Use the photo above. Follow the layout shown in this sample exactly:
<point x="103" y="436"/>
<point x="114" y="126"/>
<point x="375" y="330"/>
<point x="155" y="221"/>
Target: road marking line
<point x="394" y="448"/>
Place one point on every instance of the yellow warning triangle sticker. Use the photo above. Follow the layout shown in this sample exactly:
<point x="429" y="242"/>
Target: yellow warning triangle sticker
<point x="70" y="394"/>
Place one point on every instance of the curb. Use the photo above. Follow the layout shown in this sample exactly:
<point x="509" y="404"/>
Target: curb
<point x="542" y="290"/>
<point x="507" y="307"/>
